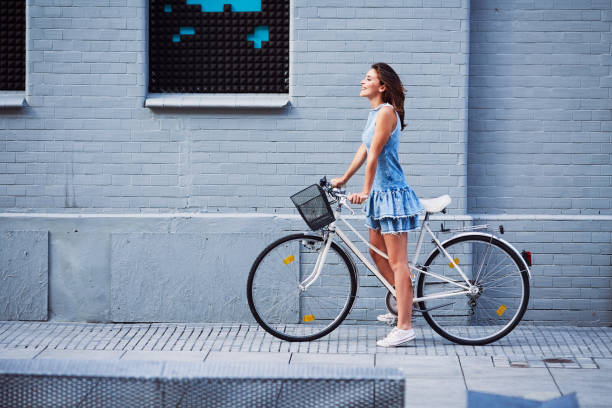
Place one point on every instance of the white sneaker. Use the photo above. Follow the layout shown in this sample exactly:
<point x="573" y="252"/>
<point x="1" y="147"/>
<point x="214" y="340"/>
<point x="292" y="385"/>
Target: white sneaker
<point x="388" y="318"/>
<point x="397" y="337"/>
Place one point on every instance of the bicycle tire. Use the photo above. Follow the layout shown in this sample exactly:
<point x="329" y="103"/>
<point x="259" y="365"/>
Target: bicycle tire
<point x="498" y="293"/>
<point x="311" y="314"/>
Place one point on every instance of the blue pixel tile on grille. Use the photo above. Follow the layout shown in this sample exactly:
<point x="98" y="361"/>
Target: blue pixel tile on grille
<point x="211" y="6"/>
<point x="12" y="45"/>
<point x="183" y="31"/>
<point x="261" y="34"/>
<point x="229" y="50"/>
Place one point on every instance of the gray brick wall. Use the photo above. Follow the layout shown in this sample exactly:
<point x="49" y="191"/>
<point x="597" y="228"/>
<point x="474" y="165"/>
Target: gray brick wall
<point x="85" y="143"/>
<point x="540" y="118"/>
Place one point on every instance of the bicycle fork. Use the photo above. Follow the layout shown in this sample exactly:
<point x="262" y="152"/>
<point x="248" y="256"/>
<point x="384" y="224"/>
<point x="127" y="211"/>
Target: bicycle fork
<point x="314" y="275"/>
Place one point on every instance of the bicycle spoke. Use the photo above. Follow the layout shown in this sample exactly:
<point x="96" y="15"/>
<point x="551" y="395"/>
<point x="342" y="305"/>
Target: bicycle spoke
<point x="281" y="258"/>
<point x="500" y="268"/>
<point x="500" y="294"/>
<point x="498" y="288"/>
<point x="481" y="265"/>
<point x="511" y="274"/>
<point x="275" y="304"/>
<point x="496" y="300"/>
<point x="492" y="311"/>
<point x="494" y="270"/>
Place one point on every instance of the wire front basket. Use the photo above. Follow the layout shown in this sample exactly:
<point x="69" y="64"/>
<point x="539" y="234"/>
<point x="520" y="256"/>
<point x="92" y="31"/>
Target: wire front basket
<point x="314" y="207"/>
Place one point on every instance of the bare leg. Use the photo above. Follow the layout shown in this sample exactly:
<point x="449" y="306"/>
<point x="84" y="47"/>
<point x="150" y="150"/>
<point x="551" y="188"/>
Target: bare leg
<point x="376" y="239"/>
<point x="397" y="250"/>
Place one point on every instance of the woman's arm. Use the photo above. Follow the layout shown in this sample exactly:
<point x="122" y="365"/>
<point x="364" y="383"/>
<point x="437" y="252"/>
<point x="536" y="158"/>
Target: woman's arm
<point x="358" y="160"/>
<point x="384" y="125"/>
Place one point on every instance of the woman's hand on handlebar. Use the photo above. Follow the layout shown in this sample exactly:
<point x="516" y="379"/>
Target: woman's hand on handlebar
<point x="338" y="182"/>
<point x="358" y="198"/>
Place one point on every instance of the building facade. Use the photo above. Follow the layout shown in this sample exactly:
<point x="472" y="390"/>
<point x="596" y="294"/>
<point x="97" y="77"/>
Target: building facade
<point x="121" y="204"/>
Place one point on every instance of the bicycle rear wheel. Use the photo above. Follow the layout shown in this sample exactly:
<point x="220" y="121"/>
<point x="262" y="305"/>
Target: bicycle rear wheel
<point x="288" y="312"/>
<point x="491" y="311"/>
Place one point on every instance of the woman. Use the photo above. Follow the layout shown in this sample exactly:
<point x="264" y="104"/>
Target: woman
<point x="391" y="206"/>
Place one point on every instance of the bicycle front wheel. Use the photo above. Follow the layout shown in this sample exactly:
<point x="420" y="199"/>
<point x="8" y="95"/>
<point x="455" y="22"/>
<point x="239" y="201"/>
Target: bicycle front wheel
<point x="277" y="295"/>
<point x="498" y="299"/>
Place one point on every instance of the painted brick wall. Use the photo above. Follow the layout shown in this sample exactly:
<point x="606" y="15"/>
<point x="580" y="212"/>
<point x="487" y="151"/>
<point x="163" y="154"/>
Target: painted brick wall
<point x="85" y="143"/>
<point x="540" y="107"/>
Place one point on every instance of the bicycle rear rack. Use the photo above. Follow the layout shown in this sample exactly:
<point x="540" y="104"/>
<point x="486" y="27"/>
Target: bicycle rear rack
<point x="469" y="228"/>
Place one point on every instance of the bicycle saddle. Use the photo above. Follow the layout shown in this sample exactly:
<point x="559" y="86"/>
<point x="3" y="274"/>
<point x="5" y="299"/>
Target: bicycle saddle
<point x="434" y="205"/>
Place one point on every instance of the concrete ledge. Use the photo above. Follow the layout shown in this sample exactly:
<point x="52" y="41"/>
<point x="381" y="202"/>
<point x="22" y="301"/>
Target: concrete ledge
<point x="175" y="277"/>
<point x="123" y="383"/>
<point x="216" y="100"/>
<point x="56" y="354"/>
<point x="194" y="266"/>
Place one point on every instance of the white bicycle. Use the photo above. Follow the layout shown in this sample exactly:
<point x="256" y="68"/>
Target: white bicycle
<point x="472" y="289"/>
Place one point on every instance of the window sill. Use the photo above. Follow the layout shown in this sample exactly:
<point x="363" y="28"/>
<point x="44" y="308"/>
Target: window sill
<point x="12" y="99"/>
<point x="216" y="101"/>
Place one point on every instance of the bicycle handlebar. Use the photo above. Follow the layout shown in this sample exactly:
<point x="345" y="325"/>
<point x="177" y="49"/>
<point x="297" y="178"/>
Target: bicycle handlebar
<point x="331" y="190"/>
<point x="338" y="193"/>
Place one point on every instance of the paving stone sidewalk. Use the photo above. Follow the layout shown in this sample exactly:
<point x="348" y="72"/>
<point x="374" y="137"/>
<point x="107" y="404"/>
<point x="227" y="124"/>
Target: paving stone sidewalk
<point x="533" y="361"/>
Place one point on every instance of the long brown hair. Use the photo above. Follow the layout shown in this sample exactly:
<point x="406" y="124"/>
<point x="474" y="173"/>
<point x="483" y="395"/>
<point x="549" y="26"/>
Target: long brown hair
<point x="395" y="93"/>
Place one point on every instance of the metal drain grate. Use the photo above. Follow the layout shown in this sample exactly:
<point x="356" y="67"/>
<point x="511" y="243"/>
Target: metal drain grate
<point x="539" y="362"/>
<point x="62" y="383"/>
<point x="558" y="361"/>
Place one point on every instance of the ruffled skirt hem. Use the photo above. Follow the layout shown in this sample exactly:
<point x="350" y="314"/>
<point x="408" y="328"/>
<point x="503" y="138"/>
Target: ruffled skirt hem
<point x="393" y="225"/>
<point x="394" y="203"/>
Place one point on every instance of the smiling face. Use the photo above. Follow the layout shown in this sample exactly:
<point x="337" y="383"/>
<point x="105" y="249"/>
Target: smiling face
<point x="371" y="86"/>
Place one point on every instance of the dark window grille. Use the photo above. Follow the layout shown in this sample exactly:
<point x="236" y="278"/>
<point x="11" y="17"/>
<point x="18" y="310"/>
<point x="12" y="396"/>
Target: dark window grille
<point x="191" y="51"/>
<point x="12" y="45"/>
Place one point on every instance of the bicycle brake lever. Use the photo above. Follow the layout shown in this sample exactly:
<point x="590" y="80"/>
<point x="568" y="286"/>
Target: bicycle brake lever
<point x="348" y="206"/>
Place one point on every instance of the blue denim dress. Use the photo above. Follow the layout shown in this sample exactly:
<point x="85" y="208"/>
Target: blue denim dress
<point x="392" y="205"/>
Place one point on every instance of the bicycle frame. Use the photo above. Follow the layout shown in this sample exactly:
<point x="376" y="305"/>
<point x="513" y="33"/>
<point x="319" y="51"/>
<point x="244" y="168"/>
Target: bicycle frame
<point x="334" y="229"/>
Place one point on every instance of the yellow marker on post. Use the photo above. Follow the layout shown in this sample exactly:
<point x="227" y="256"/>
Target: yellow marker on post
<point x="455" y="262"/>
<point x="289" y="259"/>
<point x="308" y="318"/>
<point x="501" y="310"/>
